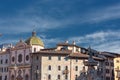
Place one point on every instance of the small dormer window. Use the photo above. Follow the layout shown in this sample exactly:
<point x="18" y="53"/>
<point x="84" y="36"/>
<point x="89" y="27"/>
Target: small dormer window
<point x="77" y="50"/>
<point x="34" y="49"/>
<point x="64" y="48"/>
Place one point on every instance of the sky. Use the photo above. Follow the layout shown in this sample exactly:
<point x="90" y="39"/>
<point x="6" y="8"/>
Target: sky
<point x="94" y="23"/>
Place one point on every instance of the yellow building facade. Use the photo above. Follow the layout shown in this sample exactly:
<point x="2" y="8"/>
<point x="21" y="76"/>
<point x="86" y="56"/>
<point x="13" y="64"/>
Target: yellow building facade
<point x="117" y="67"/>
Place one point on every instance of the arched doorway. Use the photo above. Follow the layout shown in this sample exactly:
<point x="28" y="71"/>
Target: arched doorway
<point x="19" y="77"/>
<point x="12" y="77"/>
<point x="26" y="77"/>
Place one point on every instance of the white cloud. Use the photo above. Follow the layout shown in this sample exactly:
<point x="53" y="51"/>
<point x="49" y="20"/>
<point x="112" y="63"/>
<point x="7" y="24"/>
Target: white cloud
<point x="108" y="46"/>
<point x="103" y="40"/>
<point x="25" y="19"/>
<point x="104" y="14"/>
<point x="51" y="41"/>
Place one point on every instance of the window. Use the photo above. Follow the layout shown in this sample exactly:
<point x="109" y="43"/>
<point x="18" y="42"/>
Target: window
<point x="77" y="49"/>
<point x="49" y="77"/>
<point x="37" y="67"/>
<point x="34" y="49"/>
<point x="20" y="58"/>
<point x="0" y="77"/>
<point x="49" y="67"/>
<point x="13" y="59"/>
<point x="58" y="76"/>
<point x="26" y="77"/>
<point x="107" y="63"/>
<point x="64" y="48"/>
<point x="27" y="57"/>
<point x="66" y="58"/>
<point x="2" y="69"/>
<point x="7" y="69"/>
<point x="66" y="76"/>
<point x="37" y="57"/>
<point x="49" y="57"/>
<point x="76" y="60"/>
<point x="6" y="61"/>
<point x="107" y="78"/>
<point x="76" y="76"/>
<point x="1" y="61"/>
<point x="59" y="58"/>
<point x="66" y="67"/>
<point x="6" y="77"/>
<point x="59" y="68"/>
<point x="107" y="71"/>
<point x="76" y="68"/>
<point x="117" y="61"/>
<point x="12" y="77"/>
<point x="112" y="64"/>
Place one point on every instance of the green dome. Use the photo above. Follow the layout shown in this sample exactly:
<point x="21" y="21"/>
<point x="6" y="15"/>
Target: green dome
<point x="34" y="40"/>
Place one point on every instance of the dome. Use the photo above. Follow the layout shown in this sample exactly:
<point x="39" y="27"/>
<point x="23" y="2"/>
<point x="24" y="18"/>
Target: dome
<point x="34" y="40"/>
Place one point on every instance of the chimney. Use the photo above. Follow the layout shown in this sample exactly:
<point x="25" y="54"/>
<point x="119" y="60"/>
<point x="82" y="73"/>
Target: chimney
<point x="66" y="41"/>
<point x="73" y="43"/>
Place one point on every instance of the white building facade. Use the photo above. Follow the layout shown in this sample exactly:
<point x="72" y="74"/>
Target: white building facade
<point x="4" y="64"/>
<point x="20" y="59"/>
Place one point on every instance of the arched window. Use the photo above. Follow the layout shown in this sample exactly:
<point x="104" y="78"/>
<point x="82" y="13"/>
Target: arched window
<point x="49" y="67"/>
<point x="58" y="76"/>
<point x="6" y="77"/>
<point x="66" y="67"/>
<point x="1" y="61"/>
<point x="27" y="57"/>
<point x="12" y="77"/>
<point x="13" y="59"/>
<point x="49" y="77"/>
<point x="20" y="58"/>
<point x="59" y="68"/>
<point x="66" y="76"/>
<point x="26" y="77"/>
<point x="6" y="61"/>
<point x="34" y="49"/>
<point x="0" y="77"/>
<point x="76" y="76"/>
<point x="76" y="68"/>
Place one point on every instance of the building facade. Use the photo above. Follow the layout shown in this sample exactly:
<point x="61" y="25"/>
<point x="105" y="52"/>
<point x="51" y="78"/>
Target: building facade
<point x="29" y="60"/>
<point x="109" y="65"/>
<point x="65" y="62"/>
<point x="117" y="67"/>
<point x="4" y="64"/>
<point x="20" y="59"/>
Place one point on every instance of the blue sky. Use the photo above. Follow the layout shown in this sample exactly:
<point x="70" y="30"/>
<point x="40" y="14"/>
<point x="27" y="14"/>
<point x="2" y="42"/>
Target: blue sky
<point x="87" y="22"/>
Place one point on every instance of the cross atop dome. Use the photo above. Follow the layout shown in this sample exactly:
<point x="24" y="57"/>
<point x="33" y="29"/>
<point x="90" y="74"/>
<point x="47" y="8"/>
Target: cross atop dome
<point x="33" y="33"/>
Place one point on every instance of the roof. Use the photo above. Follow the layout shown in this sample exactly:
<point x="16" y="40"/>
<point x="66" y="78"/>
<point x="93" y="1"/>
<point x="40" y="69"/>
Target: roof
<point x="6" y="45"/>
<point x="53" y="52"/>
<point x="108" y="54"/>
<point x="69" y="53"/>
<point x="85" y="56"/>
<point x="66" y="44"/>
<point x="34" y="40"/>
